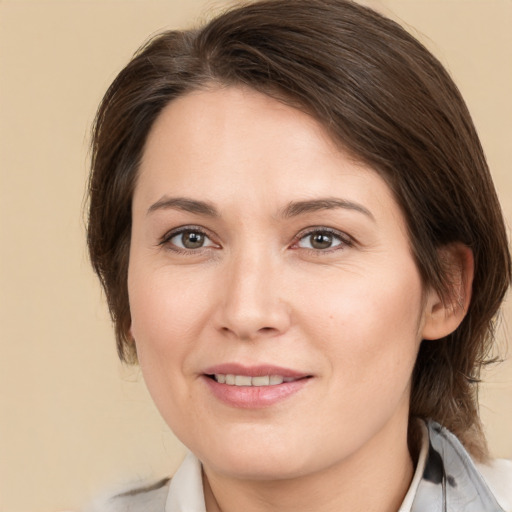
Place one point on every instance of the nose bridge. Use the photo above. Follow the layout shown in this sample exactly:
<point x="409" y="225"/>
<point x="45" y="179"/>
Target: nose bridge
<point x="253" y="302"/>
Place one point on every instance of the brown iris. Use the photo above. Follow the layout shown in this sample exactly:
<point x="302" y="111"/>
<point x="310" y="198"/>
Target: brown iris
<point x="321" y="240"/>
<point x="192" y="239"/>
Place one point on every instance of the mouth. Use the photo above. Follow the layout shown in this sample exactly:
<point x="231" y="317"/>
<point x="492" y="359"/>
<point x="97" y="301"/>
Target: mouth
<point x="231" y="379"/>
<point x="254" y="387"/>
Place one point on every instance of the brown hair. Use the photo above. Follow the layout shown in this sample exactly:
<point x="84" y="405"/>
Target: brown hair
<point x="386" y="100"/>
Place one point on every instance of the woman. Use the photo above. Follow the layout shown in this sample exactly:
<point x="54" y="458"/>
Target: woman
<point x="301" y="245"/>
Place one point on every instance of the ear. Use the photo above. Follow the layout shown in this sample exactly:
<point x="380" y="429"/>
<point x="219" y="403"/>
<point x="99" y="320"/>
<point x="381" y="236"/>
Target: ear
<point x="442" y="315"/>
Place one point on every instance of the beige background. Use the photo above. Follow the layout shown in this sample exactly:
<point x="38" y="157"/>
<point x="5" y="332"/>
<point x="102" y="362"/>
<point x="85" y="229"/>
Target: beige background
<point x="72" y="420"/>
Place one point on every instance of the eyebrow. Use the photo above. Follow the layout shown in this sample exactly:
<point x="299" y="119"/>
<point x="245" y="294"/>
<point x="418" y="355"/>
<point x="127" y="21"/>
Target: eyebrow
<point x="293" y="209"/>
<point x="296" y="208"/>
<point x="184" y="204"/>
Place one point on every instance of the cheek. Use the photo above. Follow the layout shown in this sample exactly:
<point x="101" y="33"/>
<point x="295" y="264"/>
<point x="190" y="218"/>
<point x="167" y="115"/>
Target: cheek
<point x="163" y="324"/>
<point x="369" y="323"/>
<point x="158" y="323"/>
<point x="170" y="310"/>
<point x="166" y="308"/>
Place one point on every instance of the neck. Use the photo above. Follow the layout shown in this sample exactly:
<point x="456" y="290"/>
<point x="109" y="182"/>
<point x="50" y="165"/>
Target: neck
<point x="374" y="479"/>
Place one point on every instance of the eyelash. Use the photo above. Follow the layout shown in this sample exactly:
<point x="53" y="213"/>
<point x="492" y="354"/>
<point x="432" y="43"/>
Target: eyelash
<point x="344" y="240"/>
<point x="165" y="240"/>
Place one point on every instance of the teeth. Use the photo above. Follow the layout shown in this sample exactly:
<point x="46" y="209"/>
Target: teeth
<point x="246" y="380"/>
<point x="260" y="381"/>
<point x="276" y="379"/>
<point x="243" y="380"/>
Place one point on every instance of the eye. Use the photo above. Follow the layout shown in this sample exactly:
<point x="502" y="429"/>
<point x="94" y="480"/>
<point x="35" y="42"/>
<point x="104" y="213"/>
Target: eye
<point x="188" y="239"/>
<point x="322" y="240"/>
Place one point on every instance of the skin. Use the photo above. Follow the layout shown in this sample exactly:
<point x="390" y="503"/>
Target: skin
<point x="350" y="315"/>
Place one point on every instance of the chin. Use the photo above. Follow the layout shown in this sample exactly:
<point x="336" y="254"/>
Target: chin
<point x="257" y="458"/>
<point x="259" y="467"/>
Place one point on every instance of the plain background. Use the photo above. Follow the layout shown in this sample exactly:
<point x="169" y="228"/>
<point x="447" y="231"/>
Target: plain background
<point x="73" y="421"/>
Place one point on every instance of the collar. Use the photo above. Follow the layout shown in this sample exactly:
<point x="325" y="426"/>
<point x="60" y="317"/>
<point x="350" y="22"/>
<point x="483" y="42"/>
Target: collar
<point x="450" y="481"/>
<point x="186" y="487"/>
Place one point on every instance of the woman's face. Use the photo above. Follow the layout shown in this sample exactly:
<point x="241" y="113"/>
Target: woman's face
<point x="262" y="254"/>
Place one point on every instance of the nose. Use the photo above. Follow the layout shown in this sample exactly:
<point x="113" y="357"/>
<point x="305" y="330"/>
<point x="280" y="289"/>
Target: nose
<point x="252" y="304"/>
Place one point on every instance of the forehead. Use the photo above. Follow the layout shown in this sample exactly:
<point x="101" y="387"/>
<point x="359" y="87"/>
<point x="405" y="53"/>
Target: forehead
<point x="234" y="144"/>
<point x="202" y="123"/>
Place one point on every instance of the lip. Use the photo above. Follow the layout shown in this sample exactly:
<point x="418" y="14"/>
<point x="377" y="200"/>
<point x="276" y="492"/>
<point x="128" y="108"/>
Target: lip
<point x="254" y="397"/>
<point x="254" y="371"/>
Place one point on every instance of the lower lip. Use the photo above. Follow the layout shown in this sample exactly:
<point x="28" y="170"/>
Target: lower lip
<point x="254" y="397"/>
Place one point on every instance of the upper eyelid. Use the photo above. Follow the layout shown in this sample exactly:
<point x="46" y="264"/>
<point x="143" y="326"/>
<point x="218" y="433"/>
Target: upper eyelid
<point x="181" y="229"/>
<point x="323" y="229"/>
<point x="346" y="238"/>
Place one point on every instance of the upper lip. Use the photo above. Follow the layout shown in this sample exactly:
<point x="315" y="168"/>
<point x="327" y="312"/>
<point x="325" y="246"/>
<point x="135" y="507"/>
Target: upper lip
<point x="253" y="370"/>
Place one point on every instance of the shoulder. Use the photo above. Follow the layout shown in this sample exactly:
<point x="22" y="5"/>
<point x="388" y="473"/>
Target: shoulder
<point x="183" y="492"/>
<point x="150" y="497"/>
<point x="498" y="476"/>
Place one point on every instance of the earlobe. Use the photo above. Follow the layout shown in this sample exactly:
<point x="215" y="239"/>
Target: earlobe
<point x="443" y="314"/>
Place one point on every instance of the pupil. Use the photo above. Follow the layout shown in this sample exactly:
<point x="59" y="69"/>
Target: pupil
<point x="192" y="240"/>
<point x="321" y="241"/>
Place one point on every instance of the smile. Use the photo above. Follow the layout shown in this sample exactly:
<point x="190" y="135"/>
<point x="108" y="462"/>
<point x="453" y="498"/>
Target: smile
<point x="253" y="392"/>
<point x="255" y="386"/>
<point x="246" y="380"/>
